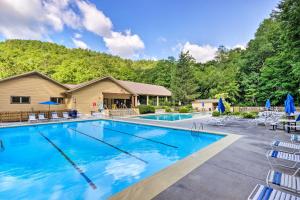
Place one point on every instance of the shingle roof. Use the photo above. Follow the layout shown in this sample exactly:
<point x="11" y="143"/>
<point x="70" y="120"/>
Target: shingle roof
<point x="34" y="73"/>
<point x="132" y="87"/>
<point x="71" y="86"/>
<point x="85" y="84"/>
<point x="146" y="89"/>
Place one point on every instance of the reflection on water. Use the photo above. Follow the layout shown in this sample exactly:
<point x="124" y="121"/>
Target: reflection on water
<point x="32" y="169"/>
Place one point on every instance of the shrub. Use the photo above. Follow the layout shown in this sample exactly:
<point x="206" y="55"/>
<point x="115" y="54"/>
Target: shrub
<point x="254" y="113"/>
<point x="183" y="110"/>
<point x="249" y="115"/>
<point x="215" y="114"/>
<point x="235" y="113"/>
<point x="226" y="112"/>
<point x="167" y="109"/>
<point x="146" y="109"/>
<point x="227" y="106"/>
<point x="189" y="106"/>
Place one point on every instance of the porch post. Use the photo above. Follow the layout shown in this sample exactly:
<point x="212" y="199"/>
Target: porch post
<point x="147" y="100"/>
<point x="166" y="98"/>
<point x="135" y="101"/>
<point x="157" y="100"/>
<point x="132" y="101"/>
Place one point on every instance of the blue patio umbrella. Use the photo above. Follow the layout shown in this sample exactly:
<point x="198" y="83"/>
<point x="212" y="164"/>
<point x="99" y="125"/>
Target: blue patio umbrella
<point x="268" y="104"/>
<point x="289" y="104"/>
<point x="49" y="103"/>
<point x="221" y="107"/>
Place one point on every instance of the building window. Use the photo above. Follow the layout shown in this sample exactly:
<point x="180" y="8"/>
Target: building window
<point x="19" y="100"/>
<point x="59" y="100"/>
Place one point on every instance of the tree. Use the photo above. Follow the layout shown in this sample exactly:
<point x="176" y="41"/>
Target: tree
<point x="183" y="82"/>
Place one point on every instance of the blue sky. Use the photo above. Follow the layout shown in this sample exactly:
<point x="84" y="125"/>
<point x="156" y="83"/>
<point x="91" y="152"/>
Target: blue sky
<point x="136" y="28"/>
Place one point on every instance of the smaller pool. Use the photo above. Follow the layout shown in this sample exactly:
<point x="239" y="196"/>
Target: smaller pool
<point x="169" y="117"/>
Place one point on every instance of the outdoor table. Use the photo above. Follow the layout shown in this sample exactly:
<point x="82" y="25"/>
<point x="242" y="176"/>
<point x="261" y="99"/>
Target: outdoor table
<point x="291" y="116"/>
<point x="288" y="122"/>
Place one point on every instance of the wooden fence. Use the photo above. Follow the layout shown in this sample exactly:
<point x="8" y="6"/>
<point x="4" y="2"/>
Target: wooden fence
<point x="23" y="116"/>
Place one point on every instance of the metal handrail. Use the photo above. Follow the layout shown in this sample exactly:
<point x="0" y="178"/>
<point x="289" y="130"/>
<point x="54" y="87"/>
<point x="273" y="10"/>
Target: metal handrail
<point x="194" y="127"/>
<point x="1" y="146"/>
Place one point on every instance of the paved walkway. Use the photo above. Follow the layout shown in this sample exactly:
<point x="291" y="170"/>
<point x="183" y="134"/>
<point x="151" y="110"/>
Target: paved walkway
<point x="232" y="173"/>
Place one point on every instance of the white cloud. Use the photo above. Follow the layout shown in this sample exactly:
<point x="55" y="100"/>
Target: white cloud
<point x="202" y="53"/>
<point x="241" y="46"/>
<point x="94" y="20"/>
<point x="80" y="44"/>
<point x="38" y="19"/>
<point x="77" y="35"/>
<point x="162" y="39"/>
<point x="124" y="45"/>
<point x="34" y="19"/>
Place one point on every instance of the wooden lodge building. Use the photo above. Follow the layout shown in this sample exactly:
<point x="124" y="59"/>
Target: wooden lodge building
<point x="23" y="93"/>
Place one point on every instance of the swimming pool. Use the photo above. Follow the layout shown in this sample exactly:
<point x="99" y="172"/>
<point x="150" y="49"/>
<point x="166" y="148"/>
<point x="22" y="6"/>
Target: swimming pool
<point x="171" y="116"/>
<point x="88" y="160"/>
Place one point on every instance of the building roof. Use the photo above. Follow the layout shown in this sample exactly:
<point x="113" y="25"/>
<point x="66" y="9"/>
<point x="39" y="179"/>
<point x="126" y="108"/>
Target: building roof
<point x="146" y="89"/>
<point x="131" y="87"/>
<point x="71" y="86"/>
<point x="85" y="84"/>
<point x="34" y="73"/>
<point x="207" y="100"/>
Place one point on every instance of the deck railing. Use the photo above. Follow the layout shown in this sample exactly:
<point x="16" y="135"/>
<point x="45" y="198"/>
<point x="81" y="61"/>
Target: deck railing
<point x="123" y="112"/>
<point x="258" y="109"/>
<point x="20" y="116"/>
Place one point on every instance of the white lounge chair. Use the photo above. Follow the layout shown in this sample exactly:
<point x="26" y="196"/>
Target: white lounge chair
<point x="290" y="147"/>
<point x="54" y="116"/>
<point x="283" y="180"/>
<point x="292" y="158"/>
<point x="41" y="117"/>
<point x="32" y="118"/>
<point x="290" y="120"/>
<point x="261" y="192"/>
<point x="97" y="114"/>
<point x="295" y="138"/>
<point x="66" y="115"/>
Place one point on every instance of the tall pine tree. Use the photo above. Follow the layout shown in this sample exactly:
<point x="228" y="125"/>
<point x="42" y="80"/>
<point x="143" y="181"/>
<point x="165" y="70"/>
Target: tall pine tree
<point x="183" y="82"/>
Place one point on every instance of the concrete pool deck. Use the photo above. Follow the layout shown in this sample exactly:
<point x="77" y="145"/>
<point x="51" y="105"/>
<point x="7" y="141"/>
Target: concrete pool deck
<point x="232" y="173"/>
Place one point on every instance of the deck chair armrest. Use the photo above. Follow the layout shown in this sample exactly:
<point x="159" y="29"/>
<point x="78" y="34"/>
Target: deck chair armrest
<point x="254" y="191"/>
<point x="268" y="177"/>
<point x="268" y="153"/>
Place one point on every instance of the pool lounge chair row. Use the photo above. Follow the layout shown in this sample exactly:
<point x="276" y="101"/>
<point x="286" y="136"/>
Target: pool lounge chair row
<point x="287" y="155"/>
<point x="41" y="117"/>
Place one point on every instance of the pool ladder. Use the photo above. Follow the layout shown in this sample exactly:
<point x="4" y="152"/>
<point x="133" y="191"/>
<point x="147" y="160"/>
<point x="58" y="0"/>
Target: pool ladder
<point x="1" y="146"/>
<point x="195" y="125"/>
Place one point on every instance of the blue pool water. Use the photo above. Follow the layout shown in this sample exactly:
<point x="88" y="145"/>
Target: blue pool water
<point x="88" y="160"/>
<point x="168" y="117"/>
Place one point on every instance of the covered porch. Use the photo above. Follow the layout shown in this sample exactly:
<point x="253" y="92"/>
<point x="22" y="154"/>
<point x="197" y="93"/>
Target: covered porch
<point x="119" y="101"/>
<point x="152" y="100"/>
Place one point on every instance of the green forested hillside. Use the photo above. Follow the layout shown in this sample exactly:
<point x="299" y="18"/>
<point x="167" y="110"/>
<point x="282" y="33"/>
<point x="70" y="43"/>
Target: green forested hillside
<point x="268" y="68"/>
<point x="63" y="64"/>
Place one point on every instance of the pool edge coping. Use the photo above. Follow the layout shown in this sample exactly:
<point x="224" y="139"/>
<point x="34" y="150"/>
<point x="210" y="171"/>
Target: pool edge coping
<point x="155" y="120"/>
<point x="151" y="186"/>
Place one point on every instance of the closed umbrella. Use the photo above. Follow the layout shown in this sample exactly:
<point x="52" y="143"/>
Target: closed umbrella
<point x="221" y="107"/>
<point x="268" y="104"/>
<point x="289" y="105"/>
